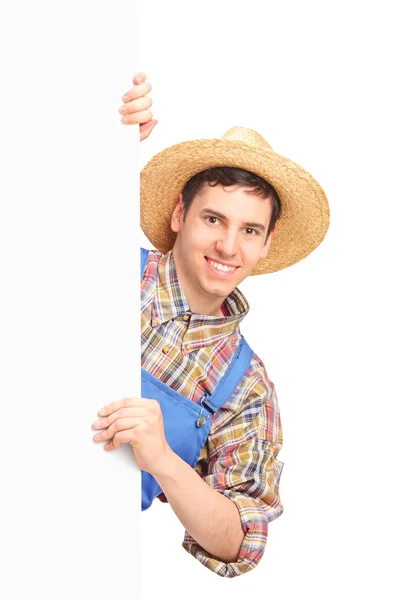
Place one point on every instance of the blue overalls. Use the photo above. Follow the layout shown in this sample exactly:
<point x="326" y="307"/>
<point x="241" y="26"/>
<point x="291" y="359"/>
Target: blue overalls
<point x="186" y="423"/>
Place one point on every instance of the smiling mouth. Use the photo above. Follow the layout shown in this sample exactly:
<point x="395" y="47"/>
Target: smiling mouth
<point x="221" y="267"/>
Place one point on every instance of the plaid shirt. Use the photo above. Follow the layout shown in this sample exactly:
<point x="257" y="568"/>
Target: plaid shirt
<point x="190" y="353"/>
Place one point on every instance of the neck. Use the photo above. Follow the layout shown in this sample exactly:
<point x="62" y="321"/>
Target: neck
<point x="199" y="302"/>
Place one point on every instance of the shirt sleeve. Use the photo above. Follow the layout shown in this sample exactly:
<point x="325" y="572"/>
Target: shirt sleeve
<point x="240" y="461"/>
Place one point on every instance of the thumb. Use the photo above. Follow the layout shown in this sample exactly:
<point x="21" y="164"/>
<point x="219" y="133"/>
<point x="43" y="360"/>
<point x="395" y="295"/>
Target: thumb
<point x="147" y="128"/>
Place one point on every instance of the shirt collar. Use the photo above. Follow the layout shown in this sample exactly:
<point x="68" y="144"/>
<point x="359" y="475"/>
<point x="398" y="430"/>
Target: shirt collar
<point x="170" y="303"/>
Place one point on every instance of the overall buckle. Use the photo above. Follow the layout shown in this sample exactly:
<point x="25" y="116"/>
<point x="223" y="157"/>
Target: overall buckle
<point x="202" y="420"/>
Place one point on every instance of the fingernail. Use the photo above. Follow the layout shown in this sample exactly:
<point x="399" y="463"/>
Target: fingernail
<point x="101" y="412"/>
<point x="126" y="98"/>
<point x="124" y="120"/>
<point x="123" y="110"/>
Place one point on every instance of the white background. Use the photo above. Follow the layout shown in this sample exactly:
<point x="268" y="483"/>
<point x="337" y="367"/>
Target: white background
<point x="70" y="512"/>
<point x="318" y="81"/>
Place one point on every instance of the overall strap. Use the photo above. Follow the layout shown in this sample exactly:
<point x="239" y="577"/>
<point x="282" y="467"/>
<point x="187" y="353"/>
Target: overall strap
<point x="232" y="378"/>
<point x="143" y="257"/>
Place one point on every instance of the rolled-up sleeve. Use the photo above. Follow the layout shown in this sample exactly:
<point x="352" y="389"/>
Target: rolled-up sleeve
<point x="241" y="463"/>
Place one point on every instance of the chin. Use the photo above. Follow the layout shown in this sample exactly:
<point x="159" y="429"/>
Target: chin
<point x="220" y="291"/>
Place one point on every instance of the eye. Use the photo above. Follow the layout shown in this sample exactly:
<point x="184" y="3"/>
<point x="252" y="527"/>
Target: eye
<point x="252" y="231"/>
<point x="212" y="222"/>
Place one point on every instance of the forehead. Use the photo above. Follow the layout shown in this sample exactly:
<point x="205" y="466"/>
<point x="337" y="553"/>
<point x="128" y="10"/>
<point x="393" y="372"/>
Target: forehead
<point x="233" y="201"/>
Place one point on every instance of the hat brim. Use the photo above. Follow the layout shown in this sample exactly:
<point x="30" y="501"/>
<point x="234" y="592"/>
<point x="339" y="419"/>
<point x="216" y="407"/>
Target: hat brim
<point x="304" y="217"/>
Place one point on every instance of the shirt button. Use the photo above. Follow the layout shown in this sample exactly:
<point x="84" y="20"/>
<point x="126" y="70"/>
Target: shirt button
<point x="157" y="321"/>
<point x="187" y="347"/>
<point x="166" y="349"/>
<point x="186" y="317"/>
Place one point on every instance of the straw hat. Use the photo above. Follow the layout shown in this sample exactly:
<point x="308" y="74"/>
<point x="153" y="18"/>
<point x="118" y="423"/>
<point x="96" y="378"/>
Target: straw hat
<point x="305" y="211"/>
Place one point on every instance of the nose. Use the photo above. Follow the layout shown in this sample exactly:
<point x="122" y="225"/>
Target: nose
<point x="227" y="244"/>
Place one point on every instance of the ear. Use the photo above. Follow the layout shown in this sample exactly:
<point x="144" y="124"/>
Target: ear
<point x="177" y="215"/>
<point x="266" y="247"/>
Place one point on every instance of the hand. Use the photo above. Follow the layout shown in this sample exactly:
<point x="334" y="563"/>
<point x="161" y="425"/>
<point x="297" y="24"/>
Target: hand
<point x="136" y="106"/>
<point x="139" y="422"/>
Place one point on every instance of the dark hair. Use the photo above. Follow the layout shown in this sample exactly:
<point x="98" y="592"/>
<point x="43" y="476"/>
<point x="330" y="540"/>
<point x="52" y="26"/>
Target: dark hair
<point x="227" y="176"/>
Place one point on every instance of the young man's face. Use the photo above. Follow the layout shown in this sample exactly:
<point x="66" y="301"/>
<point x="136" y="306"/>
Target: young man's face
<point x="221" y="239"/>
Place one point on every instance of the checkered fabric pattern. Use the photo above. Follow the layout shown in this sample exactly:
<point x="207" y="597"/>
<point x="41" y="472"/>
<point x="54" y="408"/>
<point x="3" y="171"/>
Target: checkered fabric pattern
<point x="190" y="353"/>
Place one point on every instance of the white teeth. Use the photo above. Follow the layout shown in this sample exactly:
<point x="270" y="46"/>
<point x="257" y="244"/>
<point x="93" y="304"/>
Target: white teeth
<point x="221" y="267"/>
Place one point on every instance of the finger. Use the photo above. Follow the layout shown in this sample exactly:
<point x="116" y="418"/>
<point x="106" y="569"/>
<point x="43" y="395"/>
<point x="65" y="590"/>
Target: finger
<point x="147" y="128"/>
<point x="123" y="437"/>
<point x="137" y="91"/>
<point x="122" y="413"/>
<point x="137" y="118"/>
<point x="139" y="77"/>
<point x="137" y="105"/>
<point x="123" y="403"/>
<point x="117" y="427"/>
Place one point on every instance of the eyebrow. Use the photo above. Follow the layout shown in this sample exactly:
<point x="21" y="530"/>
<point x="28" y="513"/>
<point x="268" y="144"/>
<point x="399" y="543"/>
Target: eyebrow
<point x="215" y="213"/>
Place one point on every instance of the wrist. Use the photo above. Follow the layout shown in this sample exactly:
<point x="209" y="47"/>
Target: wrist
<point x="165" y="466"/>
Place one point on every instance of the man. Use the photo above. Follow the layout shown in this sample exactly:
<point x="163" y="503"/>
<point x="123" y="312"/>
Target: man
<point x="207" y="431"/>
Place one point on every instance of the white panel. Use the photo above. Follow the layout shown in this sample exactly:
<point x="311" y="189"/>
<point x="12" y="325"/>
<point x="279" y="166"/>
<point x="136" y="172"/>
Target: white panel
<point x="69" y="300"/>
